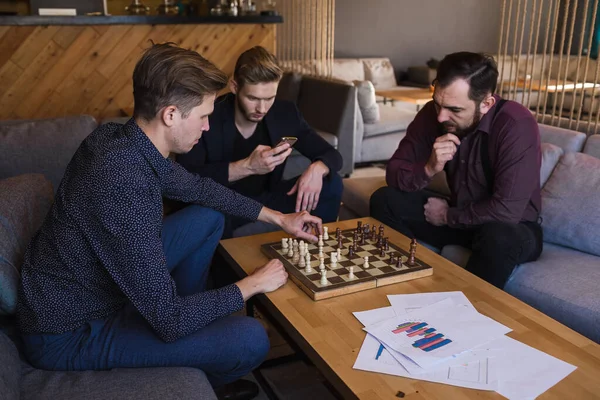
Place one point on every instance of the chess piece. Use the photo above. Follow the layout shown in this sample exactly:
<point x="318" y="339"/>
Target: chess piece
<point x="323" y="277"/>
<point x="320" y="240"/>
<point x="366" y="264"/>
<point x="307" y="262"/>
<point x="339" y="253"/>
<point x="320" y="252"/>
<point x="290" y="252"/>
<point x="399" y="263"/>
<point x="284" y="243"/>
<point x="334" y="258"/>
<point x="338" y="234"/>
<point x="350" y="251"/>
<point x="296" y="258"/>
<point x="413" y="251"/>
<point x="381" y="230"/>
<point x="386" y="243"/>
<point x="358" y="224"/>
<point x="302" y="261"/>
<point x="340" y="245"/>
<point x="362" y="239"/>
<point x="351" y="273"/>
<point x="322" y="264"/>
<point x="392" y="259"/>
<point x="325" y="233"/>
<point x="382" y="251"/>
<point x="373" y="233"/>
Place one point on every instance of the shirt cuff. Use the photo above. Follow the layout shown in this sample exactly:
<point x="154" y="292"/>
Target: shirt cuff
<point x="235" y="294"/>
<point x="420" y="178"/>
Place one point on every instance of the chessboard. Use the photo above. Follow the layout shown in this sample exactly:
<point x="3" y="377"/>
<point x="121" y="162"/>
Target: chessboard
<point x="362" y="259"/>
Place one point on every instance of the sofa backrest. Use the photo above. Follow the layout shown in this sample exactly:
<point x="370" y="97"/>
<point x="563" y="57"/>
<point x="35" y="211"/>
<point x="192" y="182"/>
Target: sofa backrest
<point x="42" y="146"/>
<point x="592" y="146"/>
<point x="568" y="140"/>
<point x="330" y="106"/>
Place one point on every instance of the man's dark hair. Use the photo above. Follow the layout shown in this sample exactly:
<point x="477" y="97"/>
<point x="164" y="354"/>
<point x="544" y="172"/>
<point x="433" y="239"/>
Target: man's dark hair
<point x="169" y="75"/>
<point x="478" y="69"/>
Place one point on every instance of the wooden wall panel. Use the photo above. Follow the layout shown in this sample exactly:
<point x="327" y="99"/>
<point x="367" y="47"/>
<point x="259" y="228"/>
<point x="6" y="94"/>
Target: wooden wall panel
<point x="55" y="71"/>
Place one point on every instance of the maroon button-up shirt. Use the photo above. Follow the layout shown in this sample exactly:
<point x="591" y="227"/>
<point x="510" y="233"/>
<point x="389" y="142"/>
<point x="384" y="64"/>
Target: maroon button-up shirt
<point x="515" y="159"/>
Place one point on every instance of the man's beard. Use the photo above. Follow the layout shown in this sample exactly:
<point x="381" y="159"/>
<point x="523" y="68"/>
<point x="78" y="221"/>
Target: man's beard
<point x="462" y="132"/>
<point x="247" y="115"/>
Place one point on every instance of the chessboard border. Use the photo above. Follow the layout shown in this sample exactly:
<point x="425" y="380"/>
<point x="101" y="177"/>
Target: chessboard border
<point x="320" y="293"/>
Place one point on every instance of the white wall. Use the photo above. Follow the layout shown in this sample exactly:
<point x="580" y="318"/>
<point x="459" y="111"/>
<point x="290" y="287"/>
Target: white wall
<point x="410" y="32"/>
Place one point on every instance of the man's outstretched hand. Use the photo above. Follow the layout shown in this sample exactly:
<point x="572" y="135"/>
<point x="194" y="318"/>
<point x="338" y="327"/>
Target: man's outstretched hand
<point x="301" y="225"/>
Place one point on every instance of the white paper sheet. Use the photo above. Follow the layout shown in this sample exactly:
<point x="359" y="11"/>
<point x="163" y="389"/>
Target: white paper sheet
<point x="438" y="331"/>
<point x="472" y="373"/>
<point x="374" y="316"/>
<point x="405" y="303"/>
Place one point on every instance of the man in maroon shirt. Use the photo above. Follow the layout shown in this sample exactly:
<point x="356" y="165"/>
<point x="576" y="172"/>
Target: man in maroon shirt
<point x="490" y="151"/>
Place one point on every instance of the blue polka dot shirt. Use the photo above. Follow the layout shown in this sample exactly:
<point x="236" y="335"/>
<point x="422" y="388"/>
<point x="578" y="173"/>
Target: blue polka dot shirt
<point x="99" y="247"/>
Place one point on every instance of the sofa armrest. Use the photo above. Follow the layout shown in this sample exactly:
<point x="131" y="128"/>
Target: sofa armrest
<point x="122" y="383"/>
<point x="330" y="106"/>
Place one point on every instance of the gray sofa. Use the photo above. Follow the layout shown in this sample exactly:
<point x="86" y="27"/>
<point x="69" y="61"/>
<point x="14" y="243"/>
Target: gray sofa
<point x="329" y="107"/>
<point x="33" y="157"/>
<point x="563" y="283"/>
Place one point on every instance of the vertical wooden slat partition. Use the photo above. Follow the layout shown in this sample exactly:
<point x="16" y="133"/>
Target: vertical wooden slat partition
<point x="305" y="40"/>
<point x="545" y="61"/>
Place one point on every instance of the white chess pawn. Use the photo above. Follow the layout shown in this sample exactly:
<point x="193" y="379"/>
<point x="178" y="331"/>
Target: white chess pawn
<point x="351" y="273"/>
<point x="290" y="252"/>
<point x="295" y="244"/>
<point x="321" y="241"/>
<point x="333" y="259"/>
<point x="320" y="252"/>
<point x="307" y="262"/>
<point x="339" y="253"/>
<point x="323" y="277"/>
<point x="302" y="261"/>
<point x="302" y="249"/>
<point x="284" y="243"/>
<point x="322" y="264"/>
<point x="296" y="258"/>
<point x="366" y="264"/>
<point x="325" y="233"/>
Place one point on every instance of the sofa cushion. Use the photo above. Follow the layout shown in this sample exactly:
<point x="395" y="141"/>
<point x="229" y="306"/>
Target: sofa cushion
<point x="10" y="369"/>
<point x="563" y="284"/>
<point x="116" y="384"/>
<point x="358" y="191"/>
<point x="348" y="69"/>
<point x="592" y="146"/>
<point x="24" y="202"/>
<point x="41" y="146"/>
<point x="550" y="156"/>
<point x="380" y="71"/>
<point x="571" y="203"/>
<point x="367" y="103"/>
<point x="567" y="139"/>
<point x="391" y="119"/>
<point x="380" y="148"/>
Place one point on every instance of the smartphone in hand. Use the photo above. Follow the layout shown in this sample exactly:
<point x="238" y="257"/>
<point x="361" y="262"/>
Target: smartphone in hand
<point x="288" y="139"/>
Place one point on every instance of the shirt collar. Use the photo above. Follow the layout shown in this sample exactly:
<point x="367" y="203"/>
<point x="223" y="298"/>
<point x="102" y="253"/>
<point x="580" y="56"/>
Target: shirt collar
<point x="156" y="160"/>
<point x="485" y="125"/>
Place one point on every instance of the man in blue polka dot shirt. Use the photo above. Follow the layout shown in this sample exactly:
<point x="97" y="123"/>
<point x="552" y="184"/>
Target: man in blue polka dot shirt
<point x="107" y="282"/>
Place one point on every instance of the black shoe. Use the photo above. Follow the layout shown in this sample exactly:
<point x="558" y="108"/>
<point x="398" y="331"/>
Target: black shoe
<point x="238" y="390"/>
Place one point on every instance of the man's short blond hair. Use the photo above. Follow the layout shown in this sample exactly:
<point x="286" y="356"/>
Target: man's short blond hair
<point x="257" y="65"/>
<point x="170" y="75"/>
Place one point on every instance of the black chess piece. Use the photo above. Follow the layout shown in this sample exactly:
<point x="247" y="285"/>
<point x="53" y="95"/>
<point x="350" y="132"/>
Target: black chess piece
<point x="373" y="232"/>
<point x="382" y="252"/>
<point x="338" y="233"/>
<point x="386" y="243"/>
<point x="350" y="251"/>
<point x="392" y="259"/>
<point x="358" y="224"/>
<point x="399" y="263"/>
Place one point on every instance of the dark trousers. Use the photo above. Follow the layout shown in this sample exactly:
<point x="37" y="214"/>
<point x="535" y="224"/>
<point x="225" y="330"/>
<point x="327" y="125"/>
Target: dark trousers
<point x="278" y="199"/>
<point x="497" y="247"/>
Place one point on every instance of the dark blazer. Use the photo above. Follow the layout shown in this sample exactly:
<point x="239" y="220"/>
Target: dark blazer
<point x="213" y="153"/>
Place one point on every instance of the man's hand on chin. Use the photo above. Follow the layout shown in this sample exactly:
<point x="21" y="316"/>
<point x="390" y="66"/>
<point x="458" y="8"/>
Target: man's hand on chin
<point x="309" y="187"/>
<point x="436" y="211"/>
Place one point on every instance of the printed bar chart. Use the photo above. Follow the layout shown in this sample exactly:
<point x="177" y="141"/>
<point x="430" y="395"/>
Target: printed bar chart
<point x="427" y="338"/>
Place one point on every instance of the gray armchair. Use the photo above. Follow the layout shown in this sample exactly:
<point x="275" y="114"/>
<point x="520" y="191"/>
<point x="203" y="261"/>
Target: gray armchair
<point x="329" y="106"/>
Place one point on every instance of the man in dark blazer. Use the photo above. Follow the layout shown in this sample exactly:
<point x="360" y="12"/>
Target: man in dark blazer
<point x="243" y="148"/>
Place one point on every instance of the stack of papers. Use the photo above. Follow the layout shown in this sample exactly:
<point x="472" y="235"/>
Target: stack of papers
<point x="440" y="337"/>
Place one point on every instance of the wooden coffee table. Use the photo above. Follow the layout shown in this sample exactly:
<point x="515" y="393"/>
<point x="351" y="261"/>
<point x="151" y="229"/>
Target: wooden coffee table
<point x="330" y="336"/>
<point x="420" y="97"/>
